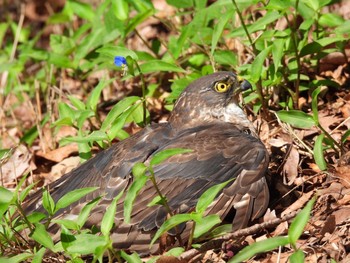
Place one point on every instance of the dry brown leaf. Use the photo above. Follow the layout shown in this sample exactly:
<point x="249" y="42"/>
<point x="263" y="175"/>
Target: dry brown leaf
<point x="290" y="167"/>
<point x="299" y="203"/>
<point x="59" y="154"/>
<point x="16" y="166"/>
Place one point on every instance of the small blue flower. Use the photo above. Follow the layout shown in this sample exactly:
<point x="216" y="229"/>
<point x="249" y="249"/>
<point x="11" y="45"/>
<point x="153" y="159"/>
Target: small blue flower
<point x="119" y="61"/>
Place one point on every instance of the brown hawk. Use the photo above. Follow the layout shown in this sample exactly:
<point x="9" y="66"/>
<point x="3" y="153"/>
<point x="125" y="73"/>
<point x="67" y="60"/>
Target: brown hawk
<point x="207" y="119"/>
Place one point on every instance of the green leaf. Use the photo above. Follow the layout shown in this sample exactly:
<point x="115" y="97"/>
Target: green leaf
<point x="38" y="256"/>
<point x="345" y="136"/>
<point x="92" y="137"/>
<point x="117" y="110"/>
<point x="297" y="257"/>
<point x="208" y="196"/>
<point x="86" y="244"/>
<point x="181" y="3"/>
<point x="48" y="202"/>
<point x="225" y="57"/>
<point x="314" y="104"/>
<point x="139" y="169"/>
<point x="108" y="218"/>
<point x="41" y="236"/>
<point x="219" y="28"/>
<point x="158" y="65"/>
<point x="5" y="200"/>
<point x="61" y="45"/>
<point x="120" y="9"/>
<point x="161" y="156"/>
<point x="277" y="52"/>
<point x="66" y="237"/>
<point x="299" y="222"/>
<point x="70" y="224"/>
<point x="131" y="194"/>
<point x="112" y="51"/>
<point x="319" y="153"/>
<point x="85" y="212"/>
<point x="76" y="102"/>
<point x="133" y="258"/>
<point x="73" y="196"/>
<point x="205" y="224"/>
<point x="171" y="223"/>
<point x="258" y="64"/>
<point x="296" y="118"/>
<point x="259" y="247"/>
<point x="331" y="20"/>
<point x="96" y="93"/>
<point x="138" y="19"/>
<point x="82" y="10"/>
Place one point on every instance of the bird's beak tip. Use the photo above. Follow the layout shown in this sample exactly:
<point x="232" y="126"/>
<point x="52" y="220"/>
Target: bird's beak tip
<point x="245" y="85"/>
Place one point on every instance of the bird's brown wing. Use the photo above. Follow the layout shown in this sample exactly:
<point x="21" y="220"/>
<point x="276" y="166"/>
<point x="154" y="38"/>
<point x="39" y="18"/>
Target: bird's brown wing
<point x="109" y="170"/>
<point x="220" y="153"/>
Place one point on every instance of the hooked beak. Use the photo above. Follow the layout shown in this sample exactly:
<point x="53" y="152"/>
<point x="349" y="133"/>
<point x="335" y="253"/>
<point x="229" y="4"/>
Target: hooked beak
<point x="245" y="84"/>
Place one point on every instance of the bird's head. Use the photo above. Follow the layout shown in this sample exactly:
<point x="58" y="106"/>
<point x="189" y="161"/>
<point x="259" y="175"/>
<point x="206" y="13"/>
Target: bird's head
<point x="211" y="98"/>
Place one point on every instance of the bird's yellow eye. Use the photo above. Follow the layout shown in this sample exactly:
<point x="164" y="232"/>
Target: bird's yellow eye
<point x="221" y="87"/>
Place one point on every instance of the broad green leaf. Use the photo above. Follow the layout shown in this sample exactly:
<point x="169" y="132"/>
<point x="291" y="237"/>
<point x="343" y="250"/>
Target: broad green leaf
<point x="61" y="45"/>
<point x="310" y="48"/>
<point x="176" y="251"/>
<point x="171" y="223"/>
<point x="319" y="153"/>
<point x="298" y="224"/>
<point x="48" y="202"/>
<point x="86" y="244"/>
<point x="92" y="137"/>
<point x="161" y="156"/>
<point x="345" y="136"/>
<point x="258" y="64"/>
<point x="38" y="256"/>
<point x="117" y="110"/>
<point x="83" y="10"/>
<point x="66" y="237"/>
<point x="205" y="224"/>
<point x="297" y="257"/>
<point x="181" y="3"/>
<point x="61" y="61"/>
<point x="76" y="102"/>
<point x="96" y="93"/>
<point x="70" y="224"/>
<point x="331" y="20"/>
<point x="138" y="19"/>
<point x="225" y="57"/>
<point x="120" y="9"/>
<point x="208" y="197"/>
<point x="108" y="218"/>
<point x="139" y="169"/>
<point x="259" y="247"/>
<point x="131" y="194"/>
<point x="41" y="236"/>
<point x="296" y="118"/>
<point x="159" y="65"/>
<point x="133" y="258"/>
<point x="112" y="51"/>
<point x="22" y="257"/>
<point x="277" y="52"/>
<point x="73" y="196"/>
<point x="314" y="104"/>
<point x="219" y="28"/>
<point x="85" y="212"/>
<point x="5" y="200"/>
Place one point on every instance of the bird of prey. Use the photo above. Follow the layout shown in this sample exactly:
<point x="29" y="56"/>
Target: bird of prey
<point x="206" y="119"/>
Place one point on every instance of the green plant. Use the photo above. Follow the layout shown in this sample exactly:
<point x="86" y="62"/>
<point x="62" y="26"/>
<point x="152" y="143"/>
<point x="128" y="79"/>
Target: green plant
<point x="295" y="230"/>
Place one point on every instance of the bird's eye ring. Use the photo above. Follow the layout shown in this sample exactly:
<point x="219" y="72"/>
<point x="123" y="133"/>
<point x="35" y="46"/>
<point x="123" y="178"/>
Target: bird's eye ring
<point x="221" y="87"/>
